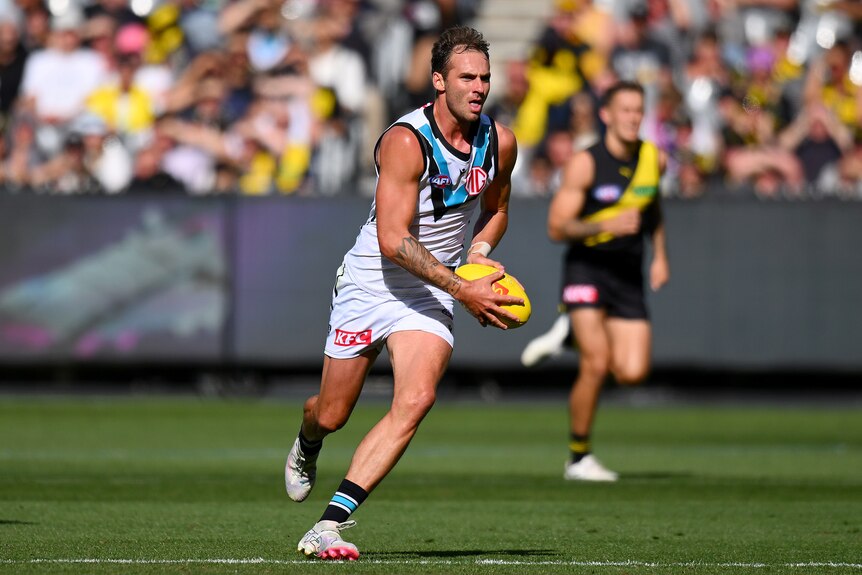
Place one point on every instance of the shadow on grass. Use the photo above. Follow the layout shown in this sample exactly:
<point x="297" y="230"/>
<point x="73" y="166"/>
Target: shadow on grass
<point x="467" y="553"/>
<point x="15" y="522"/>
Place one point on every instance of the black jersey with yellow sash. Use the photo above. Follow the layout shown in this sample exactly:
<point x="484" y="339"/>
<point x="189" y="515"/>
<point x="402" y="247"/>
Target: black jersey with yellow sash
<point x="617" y="186"/>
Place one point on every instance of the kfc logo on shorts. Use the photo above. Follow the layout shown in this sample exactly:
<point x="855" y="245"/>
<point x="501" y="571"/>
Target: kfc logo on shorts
<point x="351" y="338"/>
<point x="476" y="180"/>
<point x="608" y="193"/>
<point x="441" y="181"/>
<point x="580" y="293"/>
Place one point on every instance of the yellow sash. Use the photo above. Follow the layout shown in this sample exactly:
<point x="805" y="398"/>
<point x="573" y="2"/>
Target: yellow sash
<point x="639" y="194"/>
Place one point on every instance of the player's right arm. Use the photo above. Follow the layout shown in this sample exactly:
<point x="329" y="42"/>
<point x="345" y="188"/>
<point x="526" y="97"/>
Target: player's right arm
<point x="401" y="166"/>
<point x="564" y="222"/>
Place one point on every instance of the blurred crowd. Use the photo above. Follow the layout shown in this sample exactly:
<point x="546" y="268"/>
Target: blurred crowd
<point x="208" y="96"/>
<point x="758" y="97"/>
<point x="289" y="96"/>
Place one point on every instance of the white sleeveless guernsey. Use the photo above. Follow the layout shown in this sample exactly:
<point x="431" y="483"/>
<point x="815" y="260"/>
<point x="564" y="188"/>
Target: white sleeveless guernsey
<point x="449" y="188"/>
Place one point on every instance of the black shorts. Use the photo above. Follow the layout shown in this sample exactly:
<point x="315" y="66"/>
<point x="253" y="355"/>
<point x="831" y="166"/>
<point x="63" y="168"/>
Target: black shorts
<point x="615" y="285"/>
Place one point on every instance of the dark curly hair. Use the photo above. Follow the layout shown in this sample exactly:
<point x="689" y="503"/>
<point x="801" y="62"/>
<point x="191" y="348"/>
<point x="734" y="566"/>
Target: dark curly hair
<point x="457" y="39"/>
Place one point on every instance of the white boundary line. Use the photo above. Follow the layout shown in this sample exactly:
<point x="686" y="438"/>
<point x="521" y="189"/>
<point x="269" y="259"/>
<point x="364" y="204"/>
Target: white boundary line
<point x="477" y="562"/>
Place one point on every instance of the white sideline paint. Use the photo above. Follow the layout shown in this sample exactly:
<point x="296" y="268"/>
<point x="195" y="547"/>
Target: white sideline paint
<point x="479" y="562"/>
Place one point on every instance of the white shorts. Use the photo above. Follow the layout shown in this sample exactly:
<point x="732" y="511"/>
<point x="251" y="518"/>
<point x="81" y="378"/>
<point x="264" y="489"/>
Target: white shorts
<point x="361" y="321"/>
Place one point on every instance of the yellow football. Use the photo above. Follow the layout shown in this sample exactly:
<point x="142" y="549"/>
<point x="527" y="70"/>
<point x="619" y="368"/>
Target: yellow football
<point x="506" y="286"/>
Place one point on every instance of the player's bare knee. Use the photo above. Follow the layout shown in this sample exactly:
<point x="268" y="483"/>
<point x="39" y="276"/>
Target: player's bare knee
<point x="630" y="375"/>
<point x="332" y="419"/>
<point x="416" y="407"/>
<point x="308" y="410"/>
<point x="595" y="365"/>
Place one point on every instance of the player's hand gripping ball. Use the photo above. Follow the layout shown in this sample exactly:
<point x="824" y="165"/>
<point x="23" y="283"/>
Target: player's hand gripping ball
<point x="506" y="286"/>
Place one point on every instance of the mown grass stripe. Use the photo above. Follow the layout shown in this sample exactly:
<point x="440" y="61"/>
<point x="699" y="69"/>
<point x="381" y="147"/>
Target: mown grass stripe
<point x="480" y="562"/>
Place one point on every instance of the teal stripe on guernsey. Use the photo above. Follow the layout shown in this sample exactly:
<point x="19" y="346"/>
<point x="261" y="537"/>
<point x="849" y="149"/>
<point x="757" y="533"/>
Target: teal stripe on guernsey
<point x="450" y="197"/>
<point x="345" y="501"/>
<point x="442" y="165"/>
<point x="481" y="143"/>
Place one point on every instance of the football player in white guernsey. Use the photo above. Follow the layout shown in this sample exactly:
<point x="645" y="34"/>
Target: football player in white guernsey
<point x="396" y="286"/>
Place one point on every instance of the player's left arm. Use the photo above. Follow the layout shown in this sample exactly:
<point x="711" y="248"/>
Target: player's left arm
<point x="659" y="272"/>
<point x="494" y="217"/>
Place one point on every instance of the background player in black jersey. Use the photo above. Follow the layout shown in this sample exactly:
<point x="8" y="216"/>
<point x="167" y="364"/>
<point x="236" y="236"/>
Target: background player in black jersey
<point x="606" y="205"/>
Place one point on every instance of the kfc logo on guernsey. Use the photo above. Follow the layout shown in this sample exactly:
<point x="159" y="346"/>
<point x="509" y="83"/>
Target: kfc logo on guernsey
<point x="476" y="180"/>
<point x="351" y="338"/>
<point x="580" y="293"/>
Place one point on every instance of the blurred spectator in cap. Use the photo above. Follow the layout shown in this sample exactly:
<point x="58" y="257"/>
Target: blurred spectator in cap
<point x="127" y="109"/>
<point x="131" y="42"/>
<point x="105" y="158"/>
<point x="12" y="57"/>
<point x="58" y="79"/>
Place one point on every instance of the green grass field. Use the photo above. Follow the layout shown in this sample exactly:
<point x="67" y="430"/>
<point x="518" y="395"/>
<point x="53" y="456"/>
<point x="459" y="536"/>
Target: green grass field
<point x="149" y="485"/>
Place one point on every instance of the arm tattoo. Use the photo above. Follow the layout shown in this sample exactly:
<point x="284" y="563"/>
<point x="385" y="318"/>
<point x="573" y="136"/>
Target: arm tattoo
<point x="454" y="285"/>
<point x="416" y="259"/>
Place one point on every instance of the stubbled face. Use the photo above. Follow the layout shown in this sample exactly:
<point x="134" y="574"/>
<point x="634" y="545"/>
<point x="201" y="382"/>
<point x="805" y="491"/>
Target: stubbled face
<point x="623" y="115"/>
<point x="465" y="85"/>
